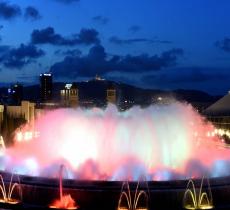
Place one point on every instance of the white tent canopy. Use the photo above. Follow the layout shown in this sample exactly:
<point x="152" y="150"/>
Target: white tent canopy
<point x="221" y="107"/>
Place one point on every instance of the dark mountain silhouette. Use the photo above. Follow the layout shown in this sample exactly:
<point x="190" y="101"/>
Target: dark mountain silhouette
<point x="96" y="90"/>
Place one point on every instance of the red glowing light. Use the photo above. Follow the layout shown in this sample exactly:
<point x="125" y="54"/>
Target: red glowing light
<point x="66" y="202"/>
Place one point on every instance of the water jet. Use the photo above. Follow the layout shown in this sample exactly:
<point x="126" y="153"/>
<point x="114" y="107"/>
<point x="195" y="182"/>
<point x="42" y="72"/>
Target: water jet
<point x="65" y="201"/>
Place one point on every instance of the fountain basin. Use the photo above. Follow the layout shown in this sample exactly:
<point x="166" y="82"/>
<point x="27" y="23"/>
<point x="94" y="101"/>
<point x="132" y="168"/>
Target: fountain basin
<point x="39" y="192"/>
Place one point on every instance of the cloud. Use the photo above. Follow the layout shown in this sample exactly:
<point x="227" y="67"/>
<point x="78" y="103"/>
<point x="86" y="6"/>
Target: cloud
<point x="88" y="36"/>
<point x="119" y="41"/>
<point x="185" y="75"/>
<point x="134" y="28"/>
<point x="9" y="11"/>
<point x="97" y="61"/>
<point x="32" y="13"/>
<point x="3" y="50"/>
<point x="19" y="57"/>
<point x="74" y="52"/>
<point x="100" y="19"/>
<point x="224" y="44"/>
<point x="1" y="27"/>
<point x="199" y="78"/>
<point x="48" y="36"/>
<point x="67" y="1"/>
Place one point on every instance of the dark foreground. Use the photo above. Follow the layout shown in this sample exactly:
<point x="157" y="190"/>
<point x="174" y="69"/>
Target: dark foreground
<point x="38" y="193"/>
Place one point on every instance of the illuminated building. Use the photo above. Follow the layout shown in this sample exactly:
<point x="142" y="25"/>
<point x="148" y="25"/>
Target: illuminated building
<point x="2" y="143"/>
<point x="220" y="107"/>
<point x="46" y="85"/>
<point x="15" y="94"/>
<point x="27" y="110"/>
<point x="70" y="95"/>
<point x="219" y="113"/>
<point x="2" y="146"/>
<point x="1" y="115"/>
<point x="111" y="95"/>
<point x="98" y="78"/>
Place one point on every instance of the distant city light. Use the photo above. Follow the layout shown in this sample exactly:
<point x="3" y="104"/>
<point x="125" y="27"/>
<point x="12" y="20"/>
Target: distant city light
<point x="98" y="78"/>
<point x="26" y="136"/>
<point x="68" y="86"/>
<point x="19" y="136"/>
<point x="218" y="132"/>
<point x="46" y="74"/>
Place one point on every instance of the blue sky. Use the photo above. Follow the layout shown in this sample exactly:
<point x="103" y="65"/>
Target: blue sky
<point x="152" y="43"/>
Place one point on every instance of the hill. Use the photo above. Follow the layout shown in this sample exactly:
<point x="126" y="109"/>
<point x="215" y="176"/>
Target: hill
<point x="96" y="90"/>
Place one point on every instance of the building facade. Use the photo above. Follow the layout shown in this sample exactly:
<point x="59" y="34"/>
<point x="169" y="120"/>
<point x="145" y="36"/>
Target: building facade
<point x="1" y="116"/>
<point x="111" y="95"/>
<point x="70" y="95"/>
<point x="25" y="110"/>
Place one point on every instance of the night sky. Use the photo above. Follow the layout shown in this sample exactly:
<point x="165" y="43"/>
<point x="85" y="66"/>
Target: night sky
<point x="163" y="44"/>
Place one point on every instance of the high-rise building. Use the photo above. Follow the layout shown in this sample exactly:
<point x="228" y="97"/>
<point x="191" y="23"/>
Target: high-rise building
<point x="46" y="85"/>
<point x="69" y="95"/>
<point x="15" y="93"/>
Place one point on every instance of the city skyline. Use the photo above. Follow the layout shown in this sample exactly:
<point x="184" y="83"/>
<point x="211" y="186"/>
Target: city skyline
<point x="156" y="44"/>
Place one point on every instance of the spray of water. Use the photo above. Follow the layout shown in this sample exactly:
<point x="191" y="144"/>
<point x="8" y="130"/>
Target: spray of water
<point x="159" y="142"/>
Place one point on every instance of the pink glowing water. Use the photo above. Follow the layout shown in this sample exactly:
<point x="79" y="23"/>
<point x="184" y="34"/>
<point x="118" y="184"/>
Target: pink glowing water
<point x="159" y="142"/>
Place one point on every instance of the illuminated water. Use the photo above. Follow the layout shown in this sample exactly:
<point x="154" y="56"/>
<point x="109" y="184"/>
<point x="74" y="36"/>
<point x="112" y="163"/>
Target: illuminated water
<point x="64" y="201"/>
<point x="159" y="142"/>
<point x="6" y="196"/>
<point x="194" y="200"/>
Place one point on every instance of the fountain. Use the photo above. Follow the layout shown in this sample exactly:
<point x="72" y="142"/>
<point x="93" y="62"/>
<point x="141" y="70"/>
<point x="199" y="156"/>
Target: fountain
<point x="102" y="148"/>
<point x="204" y="198"/>
<point x="132" y="204"/>
<point x="162" y="142"/>
<point x="7" y="197"/>
<point x="65" y="201"/>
